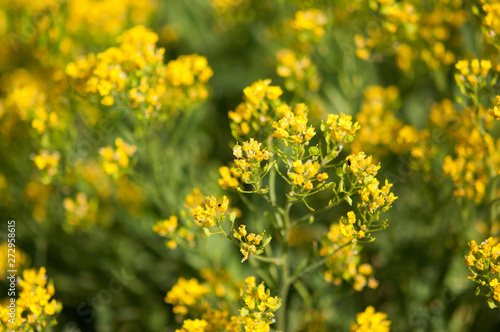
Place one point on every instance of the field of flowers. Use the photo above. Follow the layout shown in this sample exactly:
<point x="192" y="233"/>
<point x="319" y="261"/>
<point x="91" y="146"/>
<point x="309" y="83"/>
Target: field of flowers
<point x="249" y="166"/>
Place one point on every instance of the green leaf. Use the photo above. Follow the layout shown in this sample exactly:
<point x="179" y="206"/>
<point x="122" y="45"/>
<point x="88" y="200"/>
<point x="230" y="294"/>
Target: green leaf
<point x="266" y="241"/>
<point x="339" y="171"/>
<point x="494" y="80"/>
<point x="330" y="185"/>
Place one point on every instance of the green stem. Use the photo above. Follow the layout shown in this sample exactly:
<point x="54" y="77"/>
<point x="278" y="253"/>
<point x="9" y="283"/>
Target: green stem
<point x="228" y="236"/>
<point x="272" y="196"/>
<point x="249" y="204"/>
<point x="316" y="265"/>
<point x="492" y="199"/>
<point x="285" y="284"/>
<point x="155" y="170"/>
<point x="273" y="260"/>
<point x="309" y="215"/>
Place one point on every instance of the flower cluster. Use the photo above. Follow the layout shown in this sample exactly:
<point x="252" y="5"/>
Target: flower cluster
<point x="200" y="211"/>
<point x="44" y="119"/>
<point x="362" y="167"/>
<point x="167" y="228"/>
<point x="495" y="111"/>
<point x="303" y="174"/>
<point x="442" y="113"/>
<point x="193" y="325"/>
<point x="35" y="307"/>
<point x="247" y="165"/>
<point x="136" y="67"/>
<point x="379" y="125"/>
<point x="80" y="212"/>
<point x="259" y="305"/>
<point x="292" y="127"/>
<point x="250" y="243"/>
<point x="414" y="31"/>
<point x="256" y="315"/>
<point x="339" y="129"/>
<point x="475" y="156"/>
<point x="414" y="141"/>
<point x="467" y="176"/>
<point x="484" y="264"/>
<point x="20" y="259"/>
<point x="211" y="213"/>
<point x="474" y="71"/>
<point x="347" y="227"/>
<point x="361" y="174"/>
<point x="371" y="321"/>
<point x="47" y="162"/>
<point x="187" y="77"/>
<point x="118" y="160"/>
<point x="344" y="260"/>
<point x="373" y="197"/>
<point x="253" y="115"/>
<point x="490" y="20"/>
<point x="109" y="19"/>
<point x="310" y="23"/>
<point x="298" y="70"/>
<point x="108" y="71"/>
<point x="185" y="294"/>
<point x="24" y="94"/>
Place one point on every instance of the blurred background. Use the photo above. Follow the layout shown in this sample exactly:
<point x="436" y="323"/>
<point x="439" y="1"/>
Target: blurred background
<point x="111" y="271"/>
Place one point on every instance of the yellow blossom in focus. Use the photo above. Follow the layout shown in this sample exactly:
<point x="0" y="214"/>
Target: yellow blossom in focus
<point x="210" y="212"/>
<point x="292" y="127"/>
<point x="341" y="129"/>
<point x="250" y="243"/>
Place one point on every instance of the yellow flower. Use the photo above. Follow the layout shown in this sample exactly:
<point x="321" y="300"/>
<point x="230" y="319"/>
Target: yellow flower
<point x="190" y="325"/>
<point x="35" y="293"/>
<point x="341" y="129"/>
<point x="210" y="211"/>
<point x="311" y="20"/>
<point x="185" y="294"/>
<point x="292" y="127"/>
<point x="371" y="321"/>
<point x="118" y="159"/>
